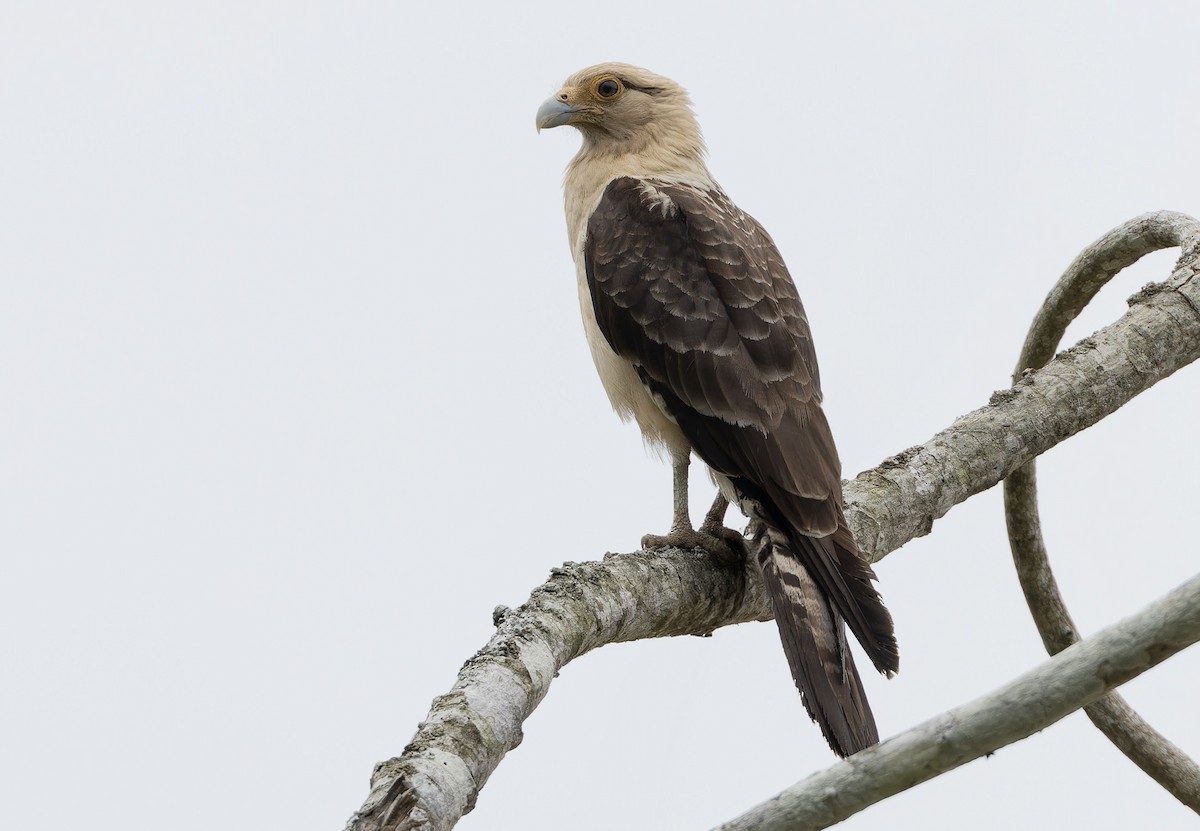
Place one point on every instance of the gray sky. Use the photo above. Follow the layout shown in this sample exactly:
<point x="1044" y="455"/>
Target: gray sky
<point x="296" y="392"/>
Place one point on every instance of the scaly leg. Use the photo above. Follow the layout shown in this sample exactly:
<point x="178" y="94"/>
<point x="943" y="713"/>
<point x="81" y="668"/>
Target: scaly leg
<point x="714" y="520"/>
<point x="713" y="537"/>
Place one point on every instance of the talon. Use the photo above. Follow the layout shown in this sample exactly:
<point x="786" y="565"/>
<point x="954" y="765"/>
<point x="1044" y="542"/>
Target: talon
<point x="734" y="541"/>
<point x="726" y="545"/>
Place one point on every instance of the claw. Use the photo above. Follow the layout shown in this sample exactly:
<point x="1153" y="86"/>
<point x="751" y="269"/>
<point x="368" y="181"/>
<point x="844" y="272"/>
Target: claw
<point x="726" y="545"/>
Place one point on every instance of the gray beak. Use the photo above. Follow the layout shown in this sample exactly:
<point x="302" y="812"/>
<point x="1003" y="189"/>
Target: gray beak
<point x="554" y="112"/>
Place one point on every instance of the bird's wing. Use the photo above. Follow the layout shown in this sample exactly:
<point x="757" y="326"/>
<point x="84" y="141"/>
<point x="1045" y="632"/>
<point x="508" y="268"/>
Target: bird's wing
<point x="694" y="293"/>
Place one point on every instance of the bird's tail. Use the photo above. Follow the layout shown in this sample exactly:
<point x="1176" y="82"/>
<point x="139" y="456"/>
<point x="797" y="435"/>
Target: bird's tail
<point x="814" y="640"/>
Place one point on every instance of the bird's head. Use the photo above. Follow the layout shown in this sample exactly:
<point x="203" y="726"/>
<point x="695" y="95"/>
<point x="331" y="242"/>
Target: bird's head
<point x="624" y="109"/>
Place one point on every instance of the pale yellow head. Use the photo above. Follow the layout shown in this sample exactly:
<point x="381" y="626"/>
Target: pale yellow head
<point x="622" y="109"/>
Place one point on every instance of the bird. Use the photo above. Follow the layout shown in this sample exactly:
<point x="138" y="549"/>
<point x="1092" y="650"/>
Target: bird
<point x="699" y="336"/>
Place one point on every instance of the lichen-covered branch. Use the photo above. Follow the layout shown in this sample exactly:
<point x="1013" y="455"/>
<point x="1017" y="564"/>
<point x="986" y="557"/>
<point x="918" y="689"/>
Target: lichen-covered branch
<point x="1147" y="748"/>
<point x="1074" y="677"/>
<point x="468" y="731"/>
<point x="583" y="605"/>
<point x="898" y="500"/>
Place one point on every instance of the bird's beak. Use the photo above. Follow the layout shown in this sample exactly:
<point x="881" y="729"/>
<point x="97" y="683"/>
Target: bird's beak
<point x="554" y="112"/>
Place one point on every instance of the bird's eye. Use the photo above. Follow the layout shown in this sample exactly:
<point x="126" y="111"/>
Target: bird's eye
<point x="608" y="88"/>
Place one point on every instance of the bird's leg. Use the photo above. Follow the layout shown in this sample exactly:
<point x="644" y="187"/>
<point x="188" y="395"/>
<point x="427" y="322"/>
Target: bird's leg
<point x="714" y="526"/>
<point x="713" y="537"/>
<point x="714" y="520"/>
<point x="681" y="519"/>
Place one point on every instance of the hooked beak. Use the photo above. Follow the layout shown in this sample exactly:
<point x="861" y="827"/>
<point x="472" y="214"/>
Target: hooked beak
<point x="554" y="112"/>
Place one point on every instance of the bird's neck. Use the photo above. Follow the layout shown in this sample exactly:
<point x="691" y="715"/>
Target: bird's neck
<point x="599" y="162"/>
<point x="656" y="149"/>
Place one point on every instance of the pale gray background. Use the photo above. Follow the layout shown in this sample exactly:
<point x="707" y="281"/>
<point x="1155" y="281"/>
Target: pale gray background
<point x="295" y="392"/>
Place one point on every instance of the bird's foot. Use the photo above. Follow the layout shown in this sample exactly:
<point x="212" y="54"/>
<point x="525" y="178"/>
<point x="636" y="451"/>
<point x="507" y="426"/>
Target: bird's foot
<point x="725" y="544"/>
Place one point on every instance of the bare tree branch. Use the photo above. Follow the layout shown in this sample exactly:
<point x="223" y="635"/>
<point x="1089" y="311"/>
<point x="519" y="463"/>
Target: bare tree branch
<point x="583" y="605"/>
<point x="1162" y="760"/>
<point x="468" y="731"/>
<point x="900" y="499"/>
<point x="1079" y="674"/>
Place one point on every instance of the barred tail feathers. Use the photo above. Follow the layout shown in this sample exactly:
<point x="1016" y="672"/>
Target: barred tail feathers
<point x="814" y="641"/>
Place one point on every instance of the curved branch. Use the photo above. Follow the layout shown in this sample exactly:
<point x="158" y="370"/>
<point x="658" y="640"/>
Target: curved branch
<point x="583" y="605"/>
<point x="1082" y="673"/>
<point x="467" y="732"/>
<point x="1147" y="748"/>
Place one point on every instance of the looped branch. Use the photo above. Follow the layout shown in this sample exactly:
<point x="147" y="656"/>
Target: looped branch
<point x="1099" y="263"/>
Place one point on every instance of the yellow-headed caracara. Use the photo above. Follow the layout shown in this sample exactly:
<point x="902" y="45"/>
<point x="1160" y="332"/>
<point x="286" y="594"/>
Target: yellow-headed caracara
<point x="699" y="336"/>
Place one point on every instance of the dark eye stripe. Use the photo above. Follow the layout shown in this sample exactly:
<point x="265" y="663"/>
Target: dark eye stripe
<point x="647" y="90"/>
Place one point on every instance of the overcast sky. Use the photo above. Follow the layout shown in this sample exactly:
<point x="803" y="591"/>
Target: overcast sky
<point x="295" y="392"/>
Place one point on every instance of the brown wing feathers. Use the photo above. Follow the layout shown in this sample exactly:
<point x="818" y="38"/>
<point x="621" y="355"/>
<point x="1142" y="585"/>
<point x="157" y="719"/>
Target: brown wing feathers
<point x="833" y="560"/>
<point x="695" y="294"/>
